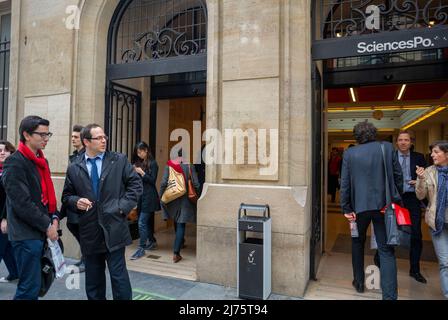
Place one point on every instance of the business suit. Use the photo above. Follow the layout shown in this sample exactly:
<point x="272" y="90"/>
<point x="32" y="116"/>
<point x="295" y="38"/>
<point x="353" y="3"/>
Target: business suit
<point x="104" y="231"/>
<point x="363" y="191"/>
<point x="411" y="202"/>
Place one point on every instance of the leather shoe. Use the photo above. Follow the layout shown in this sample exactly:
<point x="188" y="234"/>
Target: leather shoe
<point x="358" y="286"/>
<point x="418" y="277"/>
<point x="177" y="258"/>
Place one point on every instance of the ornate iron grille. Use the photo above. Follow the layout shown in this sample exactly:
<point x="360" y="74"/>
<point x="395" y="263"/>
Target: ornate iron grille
<point x="158" y="29"/>
<point x="123" y="118"/>
<point x="345" y="18"/>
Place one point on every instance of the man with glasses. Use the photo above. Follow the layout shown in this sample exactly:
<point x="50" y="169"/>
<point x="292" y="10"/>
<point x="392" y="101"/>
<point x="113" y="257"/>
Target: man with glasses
<point x="31" y="204"/>
<point x="103" y="188"/>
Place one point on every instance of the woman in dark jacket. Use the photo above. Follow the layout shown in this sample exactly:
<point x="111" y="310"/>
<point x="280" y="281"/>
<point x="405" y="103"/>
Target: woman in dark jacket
<point x="6" y="250"/>
<point x="181" y="210"/>
<point x="149" y="203"/>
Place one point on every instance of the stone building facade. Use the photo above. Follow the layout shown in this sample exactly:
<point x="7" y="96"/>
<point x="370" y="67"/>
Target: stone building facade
<point x="259" y="70"/>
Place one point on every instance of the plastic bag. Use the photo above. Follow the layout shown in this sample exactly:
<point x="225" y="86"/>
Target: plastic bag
<point x="373" y="243"/>
<point x="58" y="258"/>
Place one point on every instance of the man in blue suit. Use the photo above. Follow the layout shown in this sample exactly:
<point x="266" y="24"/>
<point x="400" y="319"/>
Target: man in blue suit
<point x="409" y="161"/>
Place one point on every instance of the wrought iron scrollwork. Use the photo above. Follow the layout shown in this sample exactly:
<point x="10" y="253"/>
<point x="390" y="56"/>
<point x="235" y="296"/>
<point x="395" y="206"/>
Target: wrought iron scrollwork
<point x="439" y="15"/>
<point x="154" y="45"/>
<point x="394" y="15"/>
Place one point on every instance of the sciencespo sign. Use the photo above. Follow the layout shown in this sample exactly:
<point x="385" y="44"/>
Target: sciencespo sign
<point x="417" y="43"/>
<point x="381" y="43"/>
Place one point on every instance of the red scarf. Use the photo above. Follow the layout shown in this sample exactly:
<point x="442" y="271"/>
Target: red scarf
<point x="48" y="193"/>
<point x="177" y="167"/>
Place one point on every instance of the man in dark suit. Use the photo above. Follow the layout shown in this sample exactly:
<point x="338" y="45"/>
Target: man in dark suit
<point x="409" y="161"/>
<point x="31" y="204"/>
<point x="363" y="195"/>
<point x="103" y="188"/>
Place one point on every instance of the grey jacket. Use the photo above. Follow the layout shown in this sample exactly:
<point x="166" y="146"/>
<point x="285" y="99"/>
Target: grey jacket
<point x="28" y="218"/>
<point x="363" y="180"/>
<point x="181" y="210"/>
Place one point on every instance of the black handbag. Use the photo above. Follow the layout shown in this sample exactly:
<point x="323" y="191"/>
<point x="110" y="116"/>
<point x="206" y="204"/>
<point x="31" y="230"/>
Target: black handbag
<point x="47" y="271"/>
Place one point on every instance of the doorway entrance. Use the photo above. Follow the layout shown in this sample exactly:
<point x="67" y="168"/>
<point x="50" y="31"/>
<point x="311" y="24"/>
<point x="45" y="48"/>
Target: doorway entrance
<point x="394" y="89"/>
<point x="156" y="80"/>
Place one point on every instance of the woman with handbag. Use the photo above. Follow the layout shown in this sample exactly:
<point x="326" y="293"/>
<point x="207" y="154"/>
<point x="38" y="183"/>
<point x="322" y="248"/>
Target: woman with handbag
<point x="432" y="184"/>
<point x="6" y="250"/>
<point x="146" y="166"/>
<point x="181" y="205"/>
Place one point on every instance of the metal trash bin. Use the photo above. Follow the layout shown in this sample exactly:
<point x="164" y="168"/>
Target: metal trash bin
<point x="254" y="253"/>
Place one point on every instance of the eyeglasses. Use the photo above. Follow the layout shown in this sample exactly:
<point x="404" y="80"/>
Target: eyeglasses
<point x="43" y="135"/>
<point x="99" y="138"/>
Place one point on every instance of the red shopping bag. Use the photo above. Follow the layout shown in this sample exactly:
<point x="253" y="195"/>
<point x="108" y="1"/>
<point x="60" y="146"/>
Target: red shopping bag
<point x="401" y="214"/>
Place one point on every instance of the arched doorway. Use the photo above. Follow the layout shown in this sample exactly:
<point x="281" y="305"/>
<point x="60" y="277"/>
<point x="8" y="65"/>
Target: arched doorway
<point x="155" y="83"/>
<point x="151" y="39"/>
<point x="389" y="59"/>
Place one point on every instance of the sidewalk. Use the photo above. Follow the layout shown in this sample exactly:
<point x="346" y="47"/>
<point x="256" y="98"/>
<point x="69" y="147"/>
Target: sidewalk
<point x="144" y="287"/>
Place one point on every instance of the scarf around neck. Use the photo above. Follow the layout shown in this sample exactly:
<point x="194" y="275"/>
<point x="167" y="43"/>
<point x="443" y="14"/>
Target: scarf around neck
<point x="442" y="194"/>
<point x="47" y="187"/>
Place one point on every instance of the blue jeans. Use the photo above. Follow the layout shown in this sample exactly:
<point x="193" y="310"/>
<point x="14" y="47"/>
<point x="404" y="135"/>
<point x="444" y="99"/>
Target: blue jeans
<point x="180" y="234"/>
<point x="146" y="228"/>
<point x="441" y="247"/>
<point x="28" y="255"/>
<point x="7" y="254"/>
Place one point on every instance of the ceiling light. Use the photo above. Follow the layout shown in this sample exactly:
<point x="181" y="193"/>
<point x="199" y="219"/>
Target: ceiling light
<point x="382" y="108"/>
<point x="400" y="95"/>
<point x="352" y="92"/>
<point x="424" y="117"/>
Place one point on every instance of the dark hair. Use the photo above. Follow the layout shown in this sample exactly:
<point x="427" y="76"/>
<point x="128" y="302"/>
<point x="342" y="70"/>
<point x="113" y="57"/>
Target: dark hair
<point x="8" y="146"/>
<point x="180" y="153"/>
<point x="30" y="124"/>
<point x="86" y="132"/>
<point x="442" y="144"/>
<point x="77" y="128"/>
<point x="144" y="163"/>
<point x="405" y="132"/>
<point x="364" y="132"/>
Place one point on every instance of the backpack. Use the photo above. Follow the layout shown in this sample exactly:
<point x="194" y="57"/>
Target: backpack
<point x="175" y="187"/>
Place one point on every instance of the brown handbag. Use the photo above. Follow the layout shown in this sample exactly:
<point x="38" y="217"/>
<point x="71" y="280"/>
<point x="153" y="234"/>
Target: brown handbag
<point x="133" y="215"/>
<point x="192" y="195"/>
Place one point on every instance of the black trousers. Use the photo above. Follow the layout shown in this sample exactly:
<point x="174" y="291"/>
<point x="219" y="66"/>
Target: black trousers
<point x="411" y="203"/>
<point x="333" y="184"/>
<point x="74" y="229"/>
<point x="96" y="276"/>
<point x="388" y="267"/>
